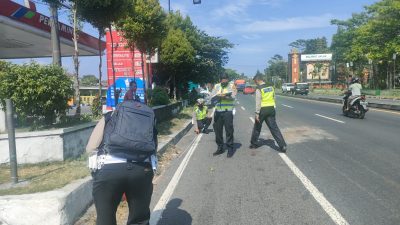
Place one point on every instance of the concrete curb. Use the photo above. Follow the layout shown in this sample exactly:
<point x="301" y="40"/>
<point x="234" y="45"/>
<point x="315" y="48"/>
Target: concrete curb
<point x="63" y="206"/>
<point x="175" y="138"/>
<point x="323" y="99"/>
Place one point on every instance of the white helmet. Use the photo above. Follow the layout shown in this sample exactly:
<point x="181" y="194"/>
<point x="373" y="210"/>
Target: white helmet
<point x="200" y="101"/>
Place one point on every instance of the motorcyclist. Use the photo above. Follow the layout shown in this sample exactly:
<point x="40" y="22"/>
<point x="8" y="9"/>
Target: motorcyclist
<point x="354" y="89"/>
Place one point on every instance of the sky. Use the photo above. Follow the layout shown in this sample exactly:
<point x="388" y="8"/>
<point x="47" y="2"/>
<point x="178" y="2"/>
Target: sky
<point x="259" y="29"/>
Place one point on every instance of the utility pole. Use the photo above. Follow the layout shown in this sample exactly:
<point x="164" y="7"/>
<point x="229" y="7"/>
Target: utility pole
<point x="11" y="141"/>
<point x="55" y="38"/>
<point x="394" y="70"/>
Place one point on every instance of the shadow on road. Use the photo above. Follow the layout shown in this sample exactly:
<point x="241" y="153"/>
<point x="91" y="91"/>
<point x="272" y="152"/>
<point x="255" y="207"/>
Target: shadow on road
<point x="270" y="143"/>
<point x="173" y="215"/>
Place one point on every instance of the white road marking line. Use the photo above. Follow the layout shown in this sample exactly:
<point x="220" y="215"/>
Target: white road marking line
<point x="339" y="121"/>
<point x="318" y="196"/>
<point x="243" y="108"/>
<point x="288" y="106"/>
<point x="161" y="204"/>
<point x="238" y="102"/>
<point x="252" y="119"/>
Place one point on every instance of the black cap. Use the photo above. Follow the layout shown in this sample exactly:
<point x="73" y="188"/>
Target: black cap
<point x="258" y="77"/>
<point x="224" y="76"/>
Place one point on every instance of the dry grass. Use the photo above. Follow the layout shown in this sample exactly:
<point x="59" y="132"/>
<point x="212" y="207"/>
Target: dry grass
<point x="44" y="176"/>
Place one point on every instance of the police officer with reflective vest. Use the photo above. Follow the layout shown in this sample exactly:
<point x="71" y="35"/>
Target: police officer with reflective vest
<point x="201" y="120"/>
<point x="224" y="98"/>
<point x="265" y="111"/>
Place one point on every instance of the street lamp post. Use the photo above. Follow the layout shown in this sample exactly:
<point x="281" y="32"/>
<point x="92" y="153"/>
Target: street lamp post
<point x="394" y="70"/>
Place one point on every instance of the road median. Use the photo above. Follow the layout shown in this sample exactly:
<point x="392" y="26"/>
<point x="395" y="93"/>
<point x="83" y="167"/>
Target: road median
<point x="378" y="105"/>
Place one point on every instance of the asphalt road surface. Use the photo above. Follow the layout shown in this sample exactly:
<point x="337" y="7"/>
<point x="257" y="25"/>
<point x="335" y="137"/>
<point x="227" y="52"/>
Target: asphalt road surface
<point x="337" y="170"/>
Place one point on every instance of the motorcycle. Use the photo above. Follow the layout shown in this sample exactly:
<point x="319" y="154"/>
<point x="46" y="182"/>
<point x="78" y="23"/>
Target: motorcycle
<point x="358" y="106"/>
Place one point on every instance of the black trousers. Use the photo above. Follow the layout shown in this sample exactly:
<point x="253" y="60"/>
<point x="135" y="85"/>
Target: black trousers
<point x="221" y="120"/>
<point x="267" y="114"/>
<point x="112" y="181"/>
<point x="204" y="123"/>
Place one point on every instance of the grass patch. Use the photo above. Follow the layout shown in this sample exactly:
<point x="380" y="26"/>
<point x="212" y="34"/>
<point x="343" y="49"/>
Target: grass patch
<point x="170" y="126"/>
<point x="44" y="176"/>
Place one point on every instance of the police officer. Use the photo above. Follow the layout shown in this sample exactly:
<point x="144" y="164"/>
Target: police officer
<point x="224" y="97"/>
<point x="201" y="120"/>
<point x="265" y="111"/>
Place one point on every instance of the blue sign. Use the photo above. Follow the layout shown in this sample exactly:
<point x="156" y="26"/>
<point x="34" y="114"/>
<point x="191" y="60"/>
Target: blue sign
<point x="123" y="85"/>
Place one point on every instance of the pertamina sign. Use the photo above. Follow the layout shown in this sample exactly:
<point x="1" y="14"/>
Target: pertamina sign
<point x="316" y="57"/>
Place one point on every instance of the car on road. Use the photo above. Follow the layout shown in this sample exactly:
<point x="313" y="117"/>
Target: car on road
<point x="249" y="90"/>
<point x="301" y="88"/>
<point x="287" y="87"/>
<point x="240" y="87"/>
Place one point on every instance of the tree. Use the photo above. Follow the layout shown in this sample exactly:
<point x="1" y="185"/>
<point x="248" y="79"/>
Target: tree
<point x="40" y="93"/>
<point x="232" y="74"/>
<point x="144" y="28"/>
<point x="276" y="67"/>
<point x="211" y="52"/>
<point x="178" y="54"/>
<point x="89" y="80"/>
<point x="311" y="46"/>
<point x="102" y="14"/>
<point x="370" y="35"/>
<point x="77" y="26"/>
<point x="55" y="37"/>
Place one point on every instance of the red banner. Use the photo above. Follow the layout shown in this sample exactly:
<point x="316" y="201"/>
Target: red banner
<point x="126" y="62"/>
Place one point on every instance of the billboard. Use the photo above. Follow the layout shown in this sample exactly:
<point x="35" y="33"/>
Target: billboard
<point x="127" y="65"/>
<point x="314" y="73"/>
<point x="316" y="57"/>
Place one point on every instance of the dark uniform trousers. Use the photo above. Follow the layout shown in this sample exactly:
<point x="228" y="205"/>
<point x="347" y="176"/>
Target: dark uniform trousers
<point x="204" y="123"/>
<point x="267" y="114"/>
<point x="112" y="181"/>
<point x="223" y="119"/>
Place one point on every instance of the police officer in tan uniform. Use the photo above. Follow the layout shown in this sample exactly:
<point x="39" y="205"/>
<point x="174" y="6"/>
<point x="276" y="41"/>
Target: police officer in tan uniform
<point x="265" y="111"/>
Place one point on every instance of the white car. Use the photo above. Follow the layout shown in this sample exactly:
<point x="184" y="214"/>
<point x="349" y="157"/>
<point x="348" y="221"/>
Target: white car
<point x="287" y="87"/>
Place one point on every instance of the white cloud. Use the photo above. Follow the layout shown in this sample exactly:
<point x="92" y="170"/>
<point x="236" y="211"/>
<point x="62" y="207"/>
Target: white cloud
<point x="237" y="10"/>
<point x="251" y="36"/>
<point x="270" y="2"/>
<point x="294" y="23"/>
<point x="215" y="31"/>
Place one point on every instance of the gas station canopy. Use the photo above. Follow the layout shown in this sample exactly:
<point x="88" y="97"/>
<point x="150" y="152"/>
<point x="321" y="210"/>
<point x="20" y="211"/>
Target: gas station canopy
<point x="25" y="33"/>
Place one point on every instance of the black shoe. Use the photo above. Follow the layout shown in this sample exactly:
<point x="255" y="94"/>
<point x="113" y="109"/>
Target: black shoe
<point x="218" y="152"/>
<point x="283" y="149"/>
<point x="254" y="146"/>
<point x="205" y="131"/>
<point x="230" y="153"/>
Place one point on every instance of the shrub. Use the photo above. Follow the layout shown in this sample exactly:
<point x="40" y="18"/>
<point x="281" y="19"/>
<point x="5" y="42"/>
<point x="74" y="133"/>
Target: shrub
<point x="96" y="107"/>
<point x="39" y="92"/>
<point x="158" y="96"/>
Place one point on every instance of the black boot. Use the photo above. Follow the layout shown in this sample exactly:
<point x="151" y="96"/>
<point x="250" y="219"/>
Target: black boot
<point x="283" y="149"/>
<point x="254" y="146"/>
<point x="219" y="151"/>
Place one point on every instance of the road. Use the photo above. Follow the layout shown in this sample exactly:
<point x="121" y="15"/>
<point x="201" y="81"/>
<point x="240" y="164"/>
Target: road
<point x="337" y="170"/>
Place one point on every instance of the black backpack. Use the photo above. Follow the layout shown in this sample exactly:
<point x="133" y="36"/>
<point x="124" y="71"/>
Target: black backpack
<point x="131" y="131"/>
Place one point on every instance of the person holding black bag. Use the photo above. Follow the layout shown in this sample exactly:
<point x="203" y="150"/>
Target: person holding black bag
<point x="123" y="145"/>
